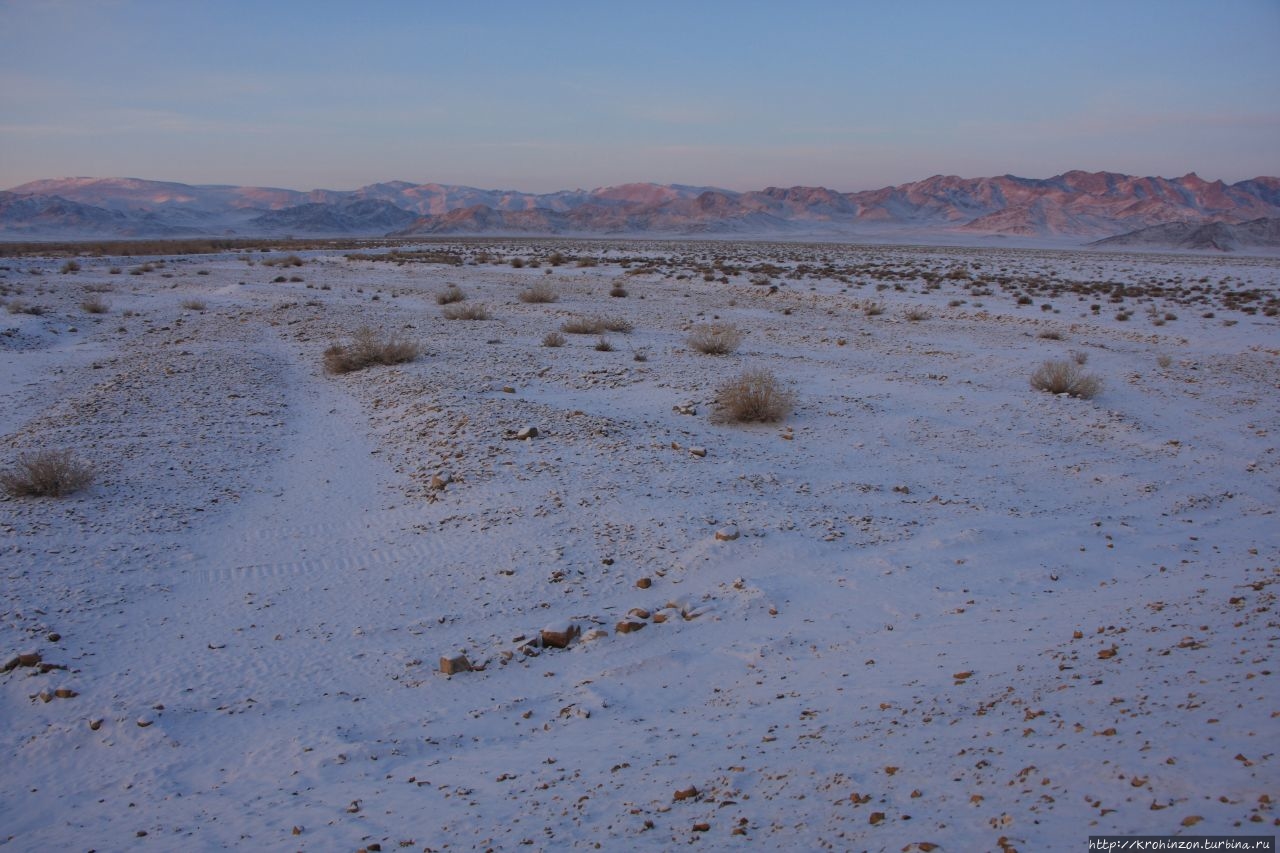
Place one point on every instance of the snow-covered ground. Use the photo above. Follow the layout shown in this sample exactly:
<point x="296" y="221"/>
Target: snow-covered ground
<point x="958" y="611"/>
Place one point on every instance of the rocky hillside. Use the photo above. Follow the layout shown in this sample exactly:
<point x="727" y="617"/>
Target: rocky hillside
<point x="1211" y="236"/>
<point x="1074" y="205"/>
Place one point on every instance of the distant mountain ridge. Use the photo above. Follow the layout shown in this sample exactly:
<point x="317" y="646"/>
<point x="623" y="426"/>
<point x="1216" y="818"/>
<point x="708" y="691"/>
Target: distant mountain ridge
<point x="1210" y="236"/>
<point x="1075" y="205"/>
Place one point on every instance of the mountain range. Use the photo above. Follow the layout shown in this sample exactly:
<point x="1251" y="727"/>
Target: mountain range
<point x="1071" y="207"/>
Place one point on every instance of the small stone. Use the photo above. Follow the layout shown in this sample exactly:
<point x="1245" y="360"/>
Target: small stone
<point x="527" y="432"/>
<point x="455" y="663"/>
<point x="297" y="830"/>
<point x="65" y="693"/>
<point x="55" y="637"/>
<point x="95" y="724"/>
<point x="560" y="636"/>
<point x="686" y="793"/>
<point x="644" y="583"/>
<point x="697" y="451"/>
<point x="440" y="479"/>
<point x="28" y="659"/>
<point x="626" y="626"/>
<point x="701" y="827"/>
<point x="659" y="618"/>
<point x="45" y="696"/>
<point x="143" y="722"/>
<point x="638" y="612"/>
<point x="727" y="534"/>
<point x="507" y="389"/>
<point x="354" y="807"/>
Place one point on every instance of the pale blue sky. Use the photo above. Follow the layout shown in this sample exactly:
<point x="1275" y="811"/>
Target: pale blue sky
<point x="555" y="95"/>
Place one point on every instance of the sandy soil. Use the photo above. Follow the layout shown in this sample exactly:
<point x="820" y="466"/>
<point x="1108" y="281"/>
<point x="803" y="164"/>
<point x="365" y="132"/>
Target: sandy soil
<point x="957" y="612"/>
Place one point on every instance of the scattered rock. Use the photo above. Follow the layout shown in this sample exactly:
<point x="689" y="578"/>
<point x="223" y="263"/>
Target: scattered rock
<point x="697" y="451"/>
<point x="45" y="696"/>
<point x="95" y="724"/>
<point x="701" y="827"/>
<point x="455" y="663"/>
<point x="440" y="479"/>
<point x="65" y="693"/>
<point x="626" y="626"/>
<point x="560" y="636"/>
<point x="727" y="534"/>
<point x="686" y="793"/>
<point x="527" y="432"/>
<point x="54" y="637"/>
<point x="143" y="722"/>
<point x="22" y="659"/>
<point x="638" y="612"/>
<point x="507" y="389"/>
<point x="644" y="583"/>
<point x="685" y="409"/>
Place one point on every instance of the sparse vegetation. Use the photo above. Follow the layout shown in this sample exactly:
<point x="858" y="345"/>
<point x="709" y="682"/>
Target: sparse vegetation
<point x="47" y="473"/>
<point x="553" y="339"/>
<point x="367" y="348"/>
<point x="95" y="305"/>
<point x="753" y="396"/>
<point x="541" y="292"/>
<point x="603" y="345"/>
<point x="915" y="315"/>
<point x="595" y="325"/>
<point x="458" y="311"/>
<point x="450" y="295"/>
<point x="70" y="266"/>
<point x="872" y="309"/>
<point x="715" y="338"/>
<point x="1065" y="377"/>
<point x="618" y="291"/>
<point x="194" y="304"/>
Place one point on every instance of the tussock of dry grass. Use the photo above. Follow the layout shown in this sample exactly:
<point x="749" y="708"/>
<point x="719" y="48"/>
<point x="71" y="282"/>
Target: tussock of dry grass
<point x="450" y="295"/>
<point x="194" y="304"/>
<point x="95" y="305"/>
<point x="715" y="338"/>
<point x="595" y="325"/>
<point x="1065" y="377"/>
<point x="553" y="339"/>
<point x="754" y="396"/>
<point x="538" y="293"/>
<point x="368" y="348"/>
<point x="465" y="312"/>
<point x="48" y="473"/>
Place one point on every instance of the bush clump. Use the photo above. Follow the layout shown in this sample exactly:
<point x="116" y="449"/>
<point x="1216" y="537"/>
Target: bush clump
<point x="538" y="293"/>
<point x="48" y="473"/>
<point x="450" y="295"/>
<point x="1065" y="377"/>
<point x="368" y="348"/>
<point x="754" y="396"/>
<point x="465" y="312"/>
<point x="715" y="338"/>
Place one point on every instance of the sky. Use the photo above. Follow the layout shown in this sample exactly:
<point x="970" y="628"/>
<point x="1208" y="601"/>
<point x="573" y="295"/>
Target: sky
<point x="541" y="96"/>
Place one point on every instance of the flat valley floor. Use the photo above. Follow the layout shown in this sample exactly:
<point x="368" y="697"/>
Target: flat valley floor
<point x="932" y="609"/>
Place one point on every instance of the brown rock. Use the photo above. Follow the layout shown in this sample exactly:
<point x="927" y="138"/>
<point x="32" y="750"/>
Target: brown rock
<point x="686" y="793"/>
<point x="638" y="612"/>
<point x="560" y="636"/>
<point x="95" y="724"/>
<point x="727" y="534"/>
<point x="452" y="664"/>
<point x="65" y="693"/>
<point x="701" y="827"/>
<point x="644" y="583"/>
<point x="626" y="626"/>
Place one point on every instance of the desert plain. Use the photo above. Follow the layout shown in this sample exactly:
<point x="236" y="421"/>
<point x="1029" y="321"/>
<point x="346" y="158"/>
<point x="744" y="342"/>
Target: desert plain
<point x="931" y="608"/>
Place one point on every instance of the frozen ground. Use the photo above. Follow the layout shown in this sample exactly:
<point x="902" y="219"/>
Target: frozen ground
<point x="959" y="612"/>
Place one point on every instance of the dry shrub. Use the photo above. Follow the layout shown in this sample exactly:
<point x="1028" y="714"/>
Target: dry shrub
<point x="194" y="304"/>
<point x="615" y="324"/>
<point x="1050" y="334"/>
<point x="715" y="338"/>
<point x="618" y="291"/>
<point x="581" y="326"/>
<point x="1065" y="377"/>
<point x="48" y="473"/>
<point x="553" y="339"/>
<point x="368" y="348"/>
<point x="465" y="312"/>
<point x="450" y="295"/>
<point x="754" y="396"/>
<point x="95" y="305"/>
<point x="873" y="309"/>
<point x="603" y="344"/>
<point x="539" y="293"/>
<point x="915" y="315"/>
